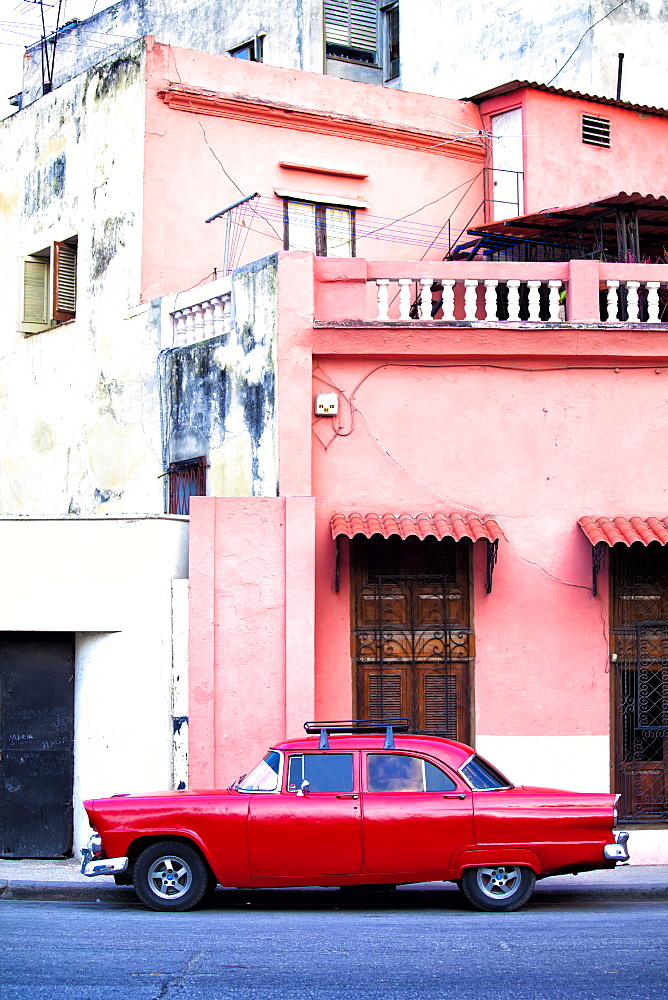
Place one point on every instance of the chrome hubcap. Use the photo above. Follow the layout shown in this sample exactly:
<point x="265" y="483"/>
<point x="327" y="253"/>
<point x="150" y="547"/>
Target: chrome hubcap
<point x="169" y="877"/>
<point x="499" y="883"/>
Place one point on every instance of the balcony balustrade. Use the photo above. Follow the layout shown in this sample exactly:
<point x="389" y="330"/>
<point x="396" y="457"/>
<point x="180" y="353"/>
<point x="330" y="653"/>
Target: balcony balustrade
<point x="478" y="292"/>
<point x="198" y="314"/>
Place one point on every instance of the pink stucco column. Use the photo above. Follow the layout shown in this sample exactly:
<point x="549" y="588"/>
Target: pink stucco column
<point x="299" y="612"/>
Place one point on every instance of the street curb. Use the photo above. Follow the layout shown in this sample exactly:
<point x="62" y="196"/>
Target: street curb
<point x="66" y="892"/>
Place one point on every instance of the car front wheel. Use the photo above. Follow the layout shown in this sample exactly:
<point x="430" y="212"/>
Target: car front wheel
<point x="170" y="875"/>
<point x="498" y="887"/>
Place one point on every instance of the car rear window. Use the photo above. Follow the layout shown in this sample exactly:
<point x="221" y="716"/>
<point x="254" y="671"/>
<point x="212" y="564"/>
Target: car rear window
<point x="388" y="772"/>
<point x="324" y="772"/>
<point x="481" y="776"/>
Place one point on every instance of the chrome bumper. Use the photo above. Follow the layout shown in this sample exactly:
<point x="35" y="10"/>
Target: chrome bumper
<point x="100" y="866"/>
<point x="618" y="851"/>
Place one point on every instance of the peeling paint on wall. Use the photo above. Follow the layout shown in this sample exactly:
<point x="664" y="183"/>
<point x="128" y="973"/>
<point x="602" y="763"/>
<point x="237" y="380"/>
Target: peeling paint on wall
<point x="219" y="395"/>
<point x="105" y="245"/>
<point x="43" y="184"/>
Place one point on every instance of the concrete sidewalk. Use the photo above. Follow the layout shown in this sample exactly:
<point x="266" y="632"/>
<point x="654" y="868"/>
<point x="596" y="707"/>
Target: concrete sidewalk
<point x="62" y="881"/>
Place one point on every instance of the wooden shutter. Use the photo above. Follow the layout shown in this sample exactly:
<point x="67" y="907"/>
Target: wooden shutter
<point x="64" y="281"/>
<point x="35" y="291"/>
<point x="352" y="24"/>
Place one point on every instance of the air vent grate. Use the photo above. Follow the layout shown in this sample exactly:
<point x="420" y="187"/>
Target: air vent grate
<point x="596" y="131"/>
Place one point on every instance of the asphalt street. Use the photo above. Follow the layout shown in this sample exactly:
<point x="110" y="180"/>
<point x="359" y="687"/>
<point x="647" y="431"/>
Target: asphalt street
<point x="571" y="942"/>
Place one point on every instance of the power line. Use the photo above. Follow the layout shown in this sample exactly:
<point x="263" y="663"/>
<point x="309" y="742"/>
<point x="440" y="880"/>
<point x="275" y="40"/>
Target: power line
<point x="583" y="38"/>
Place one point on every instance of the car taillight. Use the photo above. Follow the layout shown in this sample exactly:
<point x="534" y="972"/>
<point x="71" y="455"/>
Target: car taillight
<point x="615" y="814"/>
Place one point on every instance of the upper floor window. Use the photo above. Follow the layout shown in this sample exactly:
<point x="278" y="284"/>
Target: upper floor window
<point x="351" y="30"/>
<point x="186" y="479"/>
<point x="49" y="287"/>
<point x="391" y="41"/>
<point x="325" y="230"/>
<point x="250" y="50"/>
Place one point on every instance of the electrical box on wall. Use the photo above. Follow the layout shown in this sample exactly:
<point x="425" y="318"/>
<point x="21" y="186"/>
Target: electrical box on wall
<point x="326" y="404"/>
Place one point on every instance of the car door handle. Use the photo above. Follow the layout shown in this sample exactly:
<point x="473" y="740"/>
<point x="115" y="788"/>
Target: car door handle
<point x="347" y="796"/>
<point x="454" y="795"/>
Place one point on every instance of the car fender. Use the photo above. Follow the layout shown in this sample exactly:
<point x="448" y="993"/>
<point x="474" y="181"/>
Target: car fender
<point x="473" y="858"/>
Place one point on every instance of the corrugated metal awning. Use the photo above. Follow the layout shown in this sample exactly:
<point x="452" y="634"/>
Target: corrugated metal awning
<point x="439" y="525"/>
<point x="604" y="532"/>
<point x="625" y="530"/>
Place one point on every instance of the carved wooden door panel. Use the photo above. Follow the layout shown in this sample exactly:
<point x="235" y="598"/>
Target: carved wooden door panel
<point x="412" y="645"/>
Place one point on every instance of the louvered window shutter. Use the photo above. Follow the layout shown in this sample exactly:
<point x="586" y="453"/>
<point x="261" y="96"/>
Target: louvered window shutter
<point x="35" y="291"/>
<point x="64" y="281"/>
<point x="352" y="24"/>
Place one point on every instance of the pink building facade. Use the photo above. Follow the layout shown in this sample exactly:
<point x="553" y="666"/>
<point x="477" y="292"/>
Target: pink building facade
<point x="439" y="541"/>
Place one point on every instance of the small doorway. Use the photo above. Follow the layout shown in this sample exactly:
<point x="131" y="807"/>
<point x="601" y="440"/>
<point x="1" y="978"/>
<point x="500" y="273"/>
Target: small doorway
<point x="412" y="641"/>
<point x="36" y="744"/>
<point x="639" y="638"/>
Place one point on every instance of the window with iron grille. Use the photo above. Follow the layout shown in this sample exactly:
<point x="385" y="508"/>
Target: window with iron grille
<point x="325" y="230"/>
<point x="639" y="641"/>
<point x="596" y="131"/>
<point x="351" y="30"/>
<point x="49" y="287"/>
<point x="186" y="479"/>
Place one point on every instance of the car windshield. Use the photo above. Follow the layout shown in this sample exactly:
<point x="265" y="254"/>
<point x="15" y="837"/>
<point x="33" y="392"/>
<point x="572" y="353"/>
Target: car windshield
<point x="264" y="777"/>
<point x="481" y="776"/>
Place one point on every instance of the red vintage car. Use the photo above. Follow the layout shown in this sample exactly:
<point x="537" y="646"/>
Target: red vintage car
<point x="351" y="806"/>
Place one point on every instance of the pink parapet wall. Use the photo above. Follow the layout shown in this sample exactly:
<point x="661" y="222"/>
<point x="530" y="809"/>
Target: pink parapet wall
<point x="219" y="128"/>
<point x="251" y="630"/>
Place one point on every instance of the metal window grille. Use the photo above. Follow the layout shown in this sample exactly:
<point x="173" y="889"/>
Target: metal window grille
<point x="596" y="131"/>
<point x="186" y="479"/>
<point x="639" y="637"/>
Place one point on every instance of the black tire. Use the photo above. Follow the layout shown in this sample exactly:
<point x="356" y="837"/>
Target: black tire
<point x="499" y="888"/>
<point x="171" y="876"/>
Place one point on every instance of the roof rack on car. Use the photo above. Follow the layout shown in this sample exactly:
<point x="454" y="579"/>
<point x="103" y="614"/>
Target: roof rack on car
<point x="389" y="726"/>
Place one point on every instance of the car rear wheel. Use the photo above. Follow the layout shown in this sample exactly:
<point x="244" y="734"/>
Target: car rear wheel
<point x="498" y="887"/>
<point x="170" y="875"/>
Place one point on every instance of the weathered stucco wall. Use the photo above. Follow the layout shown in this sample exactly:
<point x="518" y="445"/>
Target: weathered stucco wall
<point x="109" y="580"/>
<point x="79" y="402"/>
<point x="292" y="34"/>
<point x="219" y="394"/>
<point x="490" y="43"/>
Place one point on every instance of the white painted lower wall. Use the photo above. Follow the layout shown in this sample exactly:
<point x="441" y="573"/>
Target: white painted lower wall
<point x="120" y="584"/>
<point x="577" y="763"/>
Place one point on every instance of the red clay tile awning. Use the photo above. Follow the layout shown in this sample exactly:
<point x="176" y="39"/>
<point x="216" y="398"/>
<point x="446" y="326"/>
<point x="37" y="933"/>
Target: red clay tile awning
<point x="457" y="526"/>
<point x="627" y="530"/>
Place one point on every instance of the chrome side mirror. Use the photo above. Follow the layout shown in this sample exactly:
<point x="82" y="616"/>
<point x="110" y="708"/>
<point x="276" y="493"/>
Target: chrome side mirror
<point x="305" y="787"/>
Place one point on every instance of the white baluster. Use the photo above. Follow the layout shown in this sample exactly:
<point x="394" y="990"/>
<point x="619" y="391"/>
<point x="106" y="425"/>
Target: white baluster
<point x="490" y="298"/>
<point x="632" y="301"/>
<point x="424" y="311"/>
<point x="613" y="287"/>
<point x="208" y="327"/>
<point x="653" y="301"/>
<point x="513" y="299"/>
<point x="226" y="301"/>
<point x="534" y="301"/>
<point x="383" y="297"/>
<point x="198" y="325"/>
<point x="189" y="325"/>
<point x="218" y="316"/>
<point x="470" y="298"/>
<point x="554" y="304"/>
<point x="405" y="298"/>
<point x="448" y="298"/>
<point x="179" y="328"/>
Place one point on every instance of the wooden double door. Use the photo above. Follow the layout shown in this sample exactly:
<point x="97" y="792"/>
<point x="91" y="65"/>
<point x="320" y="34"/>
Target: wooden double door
<point x="412" y="643"/>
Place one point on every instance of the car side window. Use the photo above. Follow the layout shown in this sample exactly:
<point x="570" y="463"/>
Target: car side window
<point x="401" y="773"/>
<point x="330" y="772"/>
